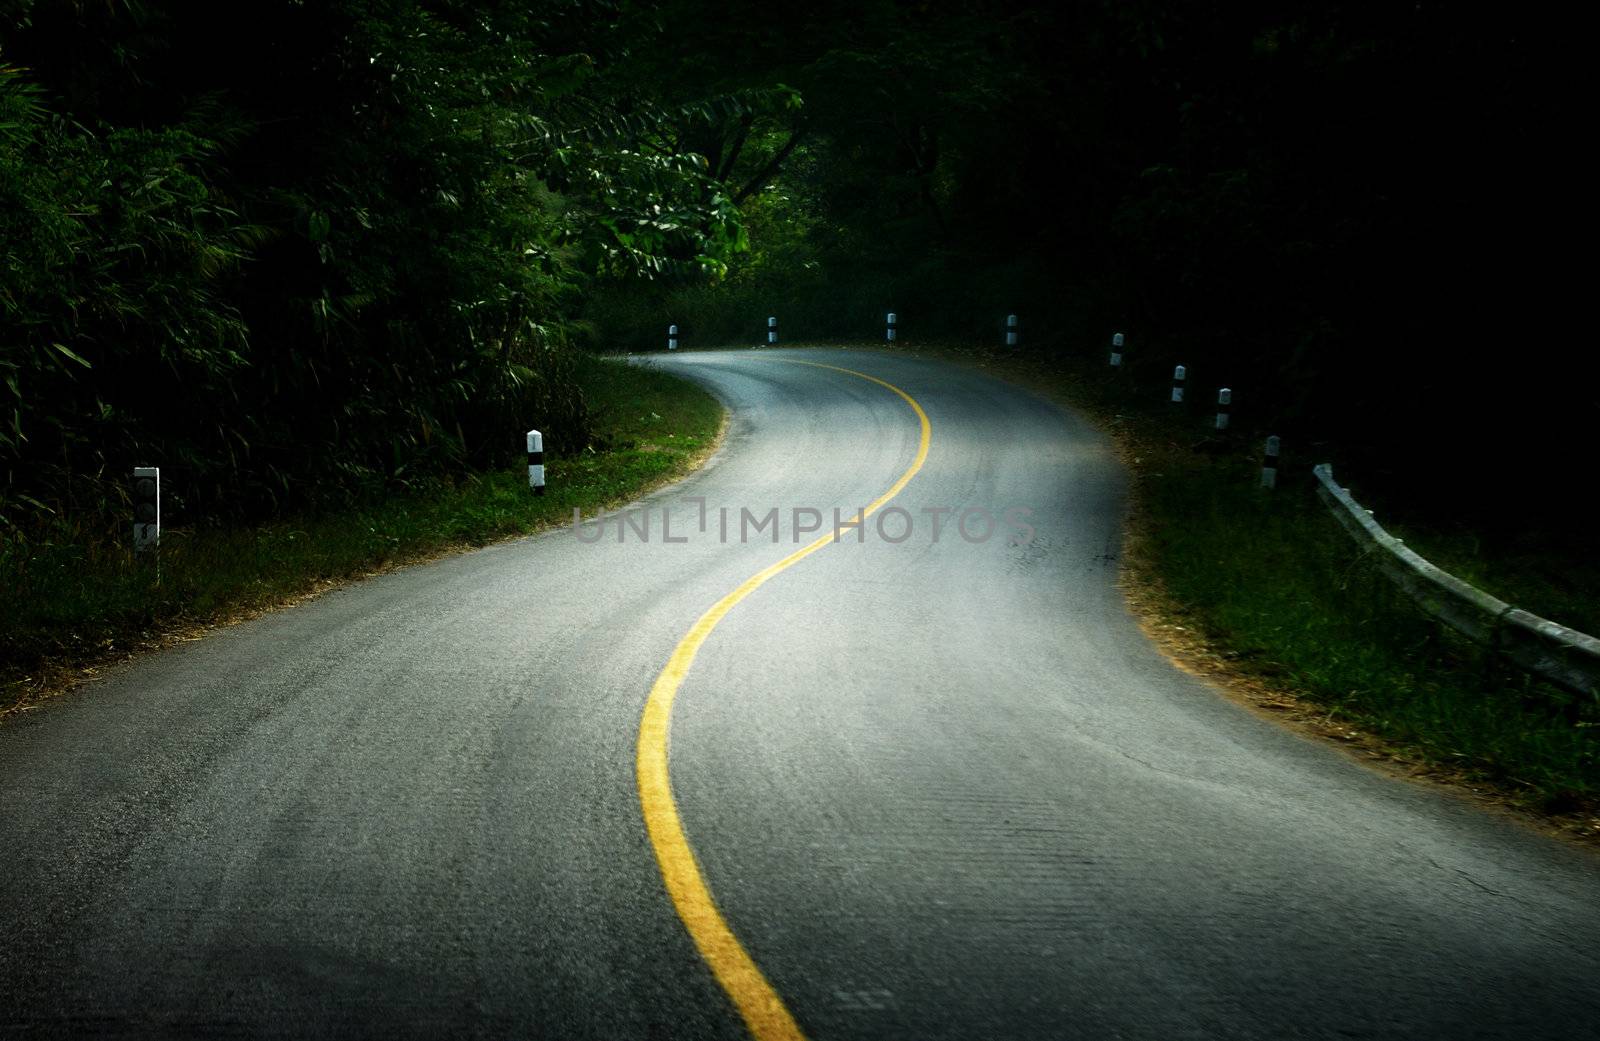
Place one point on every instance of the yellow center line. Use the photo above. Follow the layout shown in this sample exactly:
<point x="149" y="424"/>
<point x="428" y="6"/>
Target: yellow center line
<point x="763" y="1011"/>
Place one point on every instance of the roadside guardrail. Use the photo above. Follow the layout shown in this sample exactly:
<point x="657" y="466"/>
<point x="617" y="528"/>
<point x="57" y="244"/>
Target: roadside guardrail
<point x="1563" y="656"/>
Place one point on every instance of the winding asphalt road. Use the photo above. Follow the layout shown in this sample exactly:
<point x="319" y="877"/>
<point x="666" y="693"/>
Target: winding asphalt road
<point x="937" y="788"/>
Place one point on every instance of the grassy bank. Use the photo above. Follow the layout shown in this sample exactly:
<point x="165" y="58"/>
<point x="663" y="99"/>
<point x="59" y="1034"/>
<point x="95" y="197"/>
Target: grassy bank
<point x="1278" y="585"/>
<point x="1556" y="577"/>
<point x="71" y="605"/>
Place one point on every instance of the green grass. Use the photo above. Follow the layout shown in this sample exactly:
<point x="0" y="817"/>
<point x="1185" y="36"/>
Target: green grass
<point x="1278" y="584"/>
<point x="71" y="603"/>
<point x="1530" y="569"/>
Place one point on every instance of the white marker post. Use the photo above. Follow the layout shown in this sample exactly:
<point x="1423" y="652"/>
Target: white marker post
<point x="1224" y="407"/>
<point x="1116" y="348"/>
<point x="1269" y="464"/>
<point x="536" y="462"/>
<point x="772" y="330"/>
<point x="672" y="337"/>
<point x="1179" y="374"/>
<point x="1011" y="330"/>
<point x="146" y="508"/>
<point x="889" y="332"/>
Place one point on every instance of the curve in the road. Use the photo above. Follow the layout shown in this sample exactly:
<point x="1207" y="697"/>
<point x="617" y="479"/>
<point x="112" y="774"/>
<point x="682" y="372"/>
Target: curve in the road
<point x="941" y="788"/>
<point x="763" y="1010"/>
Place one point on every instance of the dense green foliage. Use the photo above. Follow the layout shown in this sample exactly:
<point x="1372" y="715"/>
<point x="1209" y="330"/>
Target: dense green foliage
<point x="356" y="243"/>
<point x="330" y="259"/>
<point x="1354" y="215"/>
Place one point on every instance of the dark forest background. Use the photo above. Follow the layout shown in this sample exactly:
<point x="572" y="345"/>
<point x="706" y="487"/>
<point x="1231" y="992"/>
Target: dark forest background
<point x="302" y="253"/>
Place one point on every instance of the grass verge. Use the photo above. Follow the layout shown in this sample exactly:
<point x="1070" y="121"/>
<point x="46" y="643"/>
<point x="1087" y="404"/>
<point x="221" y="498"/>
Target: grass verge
<point x="1274" y="582"/>
<point x="70" y="608"/>
<point x="1556" y="578"/>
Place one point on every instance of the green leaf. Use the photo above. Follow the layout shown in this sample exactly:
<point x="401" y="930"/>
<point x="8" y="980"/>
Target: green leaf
<point x="317" y="226"/>
<point x="64" y="349"/>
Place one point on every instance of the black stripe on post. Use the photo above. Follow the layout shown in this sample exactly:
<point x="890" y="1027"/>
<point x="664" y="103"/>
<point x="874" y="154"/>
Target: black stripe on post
<point x="536" y="462"/>
<point x="146" y="508"/>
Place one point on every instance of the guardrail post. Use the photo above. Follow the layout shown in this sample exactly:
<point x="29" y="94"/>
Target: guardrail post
<point x="1011" y="330"/>
<point x="889" y="332"/>
<point x="1179" y="374"/>
<point x="1224" y="407"/>
<point x="1269" y="463"/>
<point x="536" y="462"/>
<point x="146" y="508"/>
<point x="1116" y="348"/>
<point x="772" y="330"/>
<point x="672" y="337"/>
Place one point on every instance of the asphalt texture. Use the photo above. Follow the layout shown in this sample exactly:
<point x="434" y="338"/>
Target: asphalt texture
<point x="939" y="788"/>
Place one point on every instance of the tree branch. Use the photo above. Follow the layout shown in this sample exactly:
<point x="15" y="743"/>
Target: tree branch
<point x="771" y="167"/>
<point x="731" y="156"/>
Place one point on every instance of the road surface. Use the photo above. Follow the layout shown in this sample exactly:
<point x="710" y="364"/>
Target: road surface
<point x="936" y="788"/>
